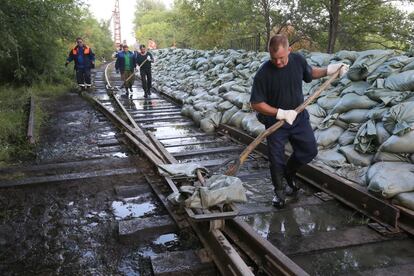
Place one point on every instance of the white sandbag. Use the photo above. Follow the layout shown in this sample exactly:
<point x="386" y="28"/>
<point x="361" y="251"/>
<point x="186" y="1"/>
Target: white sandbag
<point x="405" y="200"/>
<point x="390" y="178"/>
<point x="399" y="144"/>
<point x="354" y="157"/>
<point x="329" y="136"/>
<point x="353" y="101"/>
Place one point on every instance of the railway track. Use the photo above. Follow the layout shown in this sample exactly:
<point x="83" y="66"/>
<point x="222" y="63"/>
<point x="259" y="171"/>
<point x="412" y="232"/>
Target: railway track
<point x="319" y="234"/>
<point x="317" y="225"/>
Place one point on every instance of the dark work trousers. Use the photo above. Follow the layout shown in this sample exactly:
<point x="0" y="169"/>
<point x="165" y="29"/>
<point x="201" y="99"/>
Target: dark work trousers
<point x="301" y="137"/>
<point x="83" y="76"/>
<point x="146" y="79"/>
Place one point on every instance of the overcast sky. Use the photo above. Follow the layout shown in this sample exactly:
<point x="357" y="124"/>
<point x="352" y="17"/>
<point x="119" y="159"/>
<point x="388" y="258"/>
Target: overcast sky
<point x="102" y="9"/>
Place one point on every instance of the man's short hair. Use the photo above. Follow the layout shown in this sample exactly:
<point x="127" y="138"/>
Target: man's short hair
<point x="278" y="41"/>
<point x="79" y="38"/>
<point x="142" y="46"/>
<point x="125" y="46"/>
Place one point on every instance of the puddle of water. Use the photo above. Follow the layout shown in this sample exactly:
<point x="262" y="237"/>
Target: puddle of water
<point x="120" y="155"/>
<point x="107" y="134"/>
<point x="131" y="210"/>
<point x="149" y="103"/>
<point x="300" y="221"/>
<point x="168" y="131"/>
<point x="167" y="238"/>
<point x="370" y="256"/>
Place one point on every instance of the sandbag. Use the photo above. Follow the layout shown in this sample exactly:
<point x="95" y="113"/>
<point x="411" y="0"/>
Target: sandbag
<point x="224" y="105"/>
<point x="353" y="173"/>
<point x="347" y="137"/>
<point x="228" y="114"/>
<point x="319" y="59"/>
<point x="382" y="133"/>
<point x="314" y="121"/>
<point x="353" y="101"/>
<point x="366" y="63"/>
<point x="390" y="157"/>
<point x="401" y="82"/>
<point x="344" y="54"/>
<point x="355" y="116"/>
<point x="328" y="137"/>
<point x="329" y="101"/>
<point x="399" y="144"/>
<point x="390" y="178"/>
<point x="331" y="157"/>
<point x="366" y="137"/>
<point x="399" y="119"/>
<point x="316" y="110"/>
<point x="237" y="118"/>
<point x="252" y="125"/>
<point x="354" y="157"/>
<point x="238" y="99"/>
<point x="405" y="200"/>
<point x="211" y="121"/>
<point x="391" y="66"/>
<point x="387" y="96"/>
<point x="358" y="87"/>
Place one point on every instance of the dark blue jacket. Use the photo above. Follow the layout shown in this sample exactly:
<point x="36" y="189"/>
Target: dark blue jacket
<point x="120" y="61"/>
<point x="88" y="60"/>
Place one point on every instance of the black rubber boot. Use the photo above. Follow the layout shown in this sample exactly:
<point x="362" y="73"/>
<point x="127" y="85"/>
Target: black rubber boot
<point x="279" y="193"/>
<point x="290" y="174"/>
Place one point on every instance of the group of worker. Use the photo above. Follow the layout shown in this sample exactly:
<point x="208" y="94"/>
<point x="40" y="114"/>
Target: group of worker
<point x="126" y="63"/>
<point x="275" y="94"/>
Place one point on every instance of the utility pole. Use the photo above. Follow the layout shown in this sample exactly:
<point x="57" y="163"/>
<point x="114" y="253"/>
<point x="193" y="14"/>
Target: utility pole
<point x="117" y="24"/>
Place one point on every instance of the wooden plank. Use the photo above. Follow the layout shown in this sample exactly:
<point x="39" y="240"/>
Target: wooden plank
<point x="190" y="123"/>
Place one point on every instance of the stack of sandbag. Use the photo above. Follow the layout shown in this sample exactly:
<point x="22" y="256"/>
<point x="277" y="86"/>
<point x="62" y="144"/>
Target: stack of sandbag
<point x="362" y="122"/>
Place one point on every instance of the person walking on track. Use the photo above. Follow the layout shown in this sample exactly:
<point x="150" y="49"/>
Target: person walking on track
<point x="144" y="60"/>
<point x="84" y="60"/>
<point x="276" y="92"/>
<point x="125" y="63"/>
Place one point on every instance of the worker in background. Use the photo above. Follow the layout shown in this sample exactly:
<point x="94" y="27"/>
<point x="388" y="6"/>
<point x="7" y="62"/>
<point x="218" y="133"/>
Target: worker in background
<point x="144" y="60"/>
<point x="84" y="60"/>
<point x="125" y="64"/>
<point x="276" y="92"/>
<point x="151" y="44"/>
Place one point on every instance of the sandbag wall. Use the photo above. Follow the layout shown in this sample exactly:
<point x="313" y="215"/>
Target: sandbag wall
<point x="363" y="123"/>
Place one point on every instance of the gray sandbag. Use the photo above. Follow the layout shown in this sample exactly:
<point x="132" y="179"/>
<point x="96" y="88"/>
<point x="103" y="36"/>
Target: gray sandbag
<point x="196" y="116"/>
<point x="387" y="96"/>
<point x="329" y="136"/>
<point x="344" y="54"/>
<point x="366" y="63"/>
<point x="219" y="189"/>
<point x="226" y="105"/>
<point x="382" y="133"/>
<point x="366" y="137"/>
<point x="354" y="157"/>
<point x="388" y="68"/>
<point x="353" y="101"/>
<point x="252" y="125"/>
<point x="357" y="87"/>
<point x="238" y="99"/>
<point x="309" y="88"/>
<point x="355" y="116"/>
<point x="181" y="170"/>
<point x="390" y="178"/>
<point x="409" y="66"/>
<point x="399" y="144"/>
<point x="228" y="114"/>
<point x="400" y="118"/>
<point x="210" y="121"/>
<point x="390" y="157"/>
<point x="405" y="200"/>
<point x="319" y="59"/>
<point x="316" y="110"/>
<point x="186" y="110"/>
<point x="226" y="86"/>
<point x="237" y="118"/>
<point x="347" y="138"/>
<point x="401" y="82"/>
<point x="315" y="121"/>
<point x="331" y="157"/>
<point x="329" y="101"/>
<point x="226" y="77"/>
<point x="353" y="173"/>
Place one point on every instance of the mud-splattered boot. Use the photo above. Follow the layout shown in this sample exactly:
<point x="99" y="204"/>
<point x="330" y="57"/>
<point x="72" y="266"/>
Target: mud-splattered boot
<point x="279" y="200"/>
<point x="292" y="187"/>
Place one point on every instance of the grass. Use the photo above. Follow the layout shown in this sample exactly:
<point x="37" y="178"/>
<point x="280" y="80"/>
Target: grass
<point x="14" y="108"/>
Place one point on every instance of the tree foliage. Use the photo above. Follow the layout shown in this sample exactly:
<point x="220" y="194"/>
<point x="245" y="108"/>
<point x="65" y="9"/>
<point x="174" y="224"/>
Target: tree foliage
<point x="37" y="34"/>
<point x="323" y="25"/>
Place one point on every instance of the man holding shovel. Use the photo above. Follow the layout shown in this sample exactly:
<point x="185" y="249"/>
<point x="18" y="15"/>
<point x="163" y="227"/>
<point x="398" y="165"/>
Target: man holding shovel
<point x="125" y="63"/>
<point x="144" y="60"/>
<point x="276" y="92"/>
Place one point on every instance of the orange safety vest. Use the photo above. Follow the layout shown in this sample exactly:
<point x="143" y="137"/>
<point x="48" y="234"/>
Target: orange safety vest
<point x="86" y="51"/>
